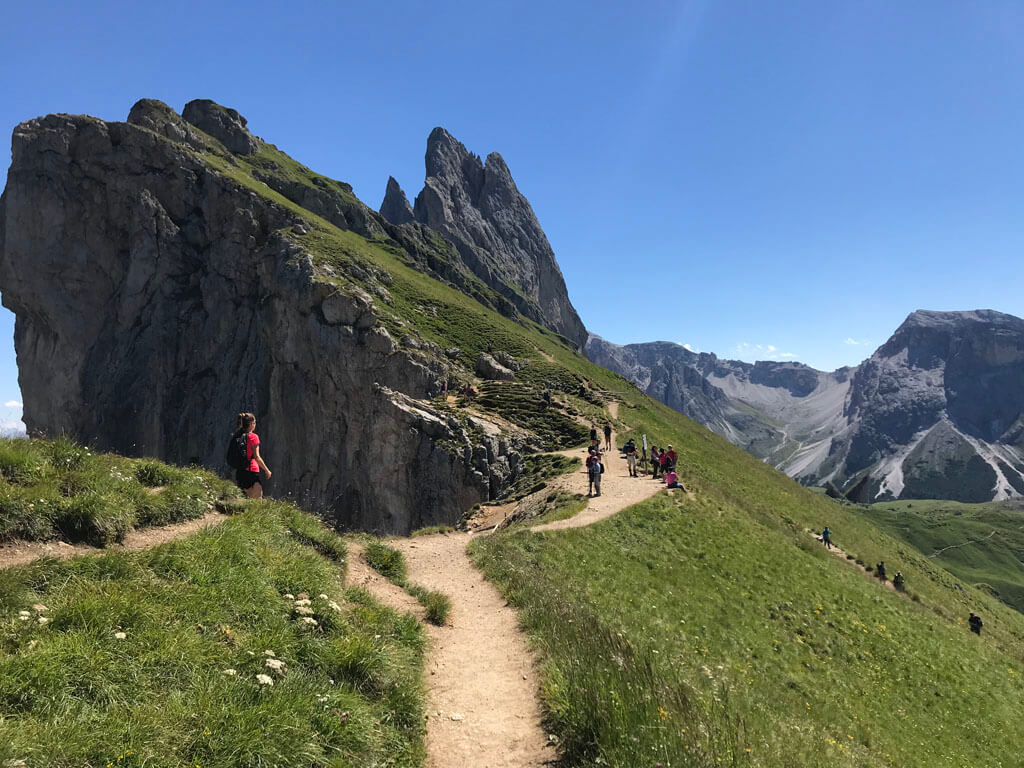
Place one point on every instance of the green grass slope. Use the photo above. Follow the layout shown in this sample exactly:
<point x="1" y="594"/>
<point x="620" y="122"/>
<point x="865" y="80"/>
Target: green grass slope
<point x="982" y="544"/>
<point x="712" y="632"/>
<point x="237" y="646"/>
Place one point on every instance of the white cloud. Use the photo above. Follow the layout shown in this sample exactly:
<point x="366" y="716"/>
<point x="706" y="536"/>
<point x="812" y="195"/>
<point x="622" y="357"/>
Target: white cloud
<point x="691" y="348"/>
<point x="853" y="342"/>
<point x="12" y="404"/>
<point x="745" y="351"/>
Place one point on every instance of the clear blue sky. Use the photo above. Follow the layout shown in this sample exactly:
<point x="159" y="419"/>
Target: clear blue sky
<point x="755" y="179"/>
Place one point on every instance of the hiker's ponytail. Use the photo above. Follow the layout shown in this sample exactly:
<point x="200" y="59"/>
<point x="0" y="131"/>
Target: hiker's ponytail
<point x="244" y="423"/>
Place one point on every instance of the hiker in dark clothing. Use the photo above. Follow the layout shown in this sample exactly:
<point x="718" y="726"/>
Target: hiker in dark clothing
<point x="630" y="451"/>
<point x="826" y="538"/>
<point x="655" y="463"/>
<point x="593" y="433"/>
<point x="594" y="470"/>
<point x="975" y="624"/>
<point x="607" y="437"/>
<point x="880" y="570"/>
<point x="671" y="454"/>
<point x="899" y="582"/>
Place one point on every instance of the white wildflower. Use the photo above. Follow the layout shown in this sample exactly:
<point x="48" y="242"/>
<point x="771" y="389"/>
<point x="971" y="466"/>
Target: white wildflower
<point x="303" y="610"/>
<point x="324" y="597"/>
<point x="275" y="664"/>
<point x="303" y="603"/>
<point x="308" y="622"/>
<point x="334" y="606"/>
<point x="271" y="654"/>
<point x="39" y="608"/>
<point x="120" y="635"/>
<point x="230" y="672"/>
<point x="289" y="597"/>
<point x="264" y="679"/>
<point x="43" y="620"/>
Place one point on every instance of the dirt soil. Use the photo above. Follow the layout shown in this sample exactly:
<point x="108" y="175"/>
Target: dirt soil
<point x="22" y="552"/>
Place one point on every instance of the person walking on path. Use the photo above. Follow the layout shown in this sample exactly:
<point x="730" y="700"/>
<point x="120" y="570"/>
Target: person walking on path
<point x="880" y="570"/>
<point x="248" y="476"/>
<point x="898" y="582"/>
<point x="594" y="470"/>
<point x="826" y="538"/>
<point x="593" y="434"/>
<point x="630" y="451"/>
<point x="975" y="623"/>
<point x="607" y="436"/>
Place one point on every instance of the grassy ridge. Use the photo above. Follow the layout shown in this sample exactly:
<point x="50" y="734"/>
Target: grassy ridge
<point x="693" y="629"/>
<point x="982" y="544"/>
<point x="51" y="489"/>
<point x="152" y="658"/>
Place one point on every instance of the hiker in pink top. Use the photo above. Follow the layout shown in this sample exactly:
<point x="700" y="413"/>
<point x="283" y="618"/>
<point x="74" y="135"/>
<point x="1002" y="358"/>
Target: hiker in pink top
<point x="248" y="478"/>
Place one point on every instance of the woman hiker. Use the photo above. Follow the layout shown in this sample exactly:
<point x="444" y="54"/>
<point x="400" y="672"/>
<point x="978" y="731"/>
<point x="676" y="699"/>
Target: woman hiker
<point x="248" y="477"/>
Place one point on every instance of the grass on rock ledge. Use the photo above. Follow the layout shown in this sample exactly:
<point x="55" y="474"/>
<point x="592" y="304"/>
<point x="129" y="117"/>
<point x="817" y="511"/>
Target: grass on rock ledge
<point x="237" y="646"/>
<point x="57" y="489"/>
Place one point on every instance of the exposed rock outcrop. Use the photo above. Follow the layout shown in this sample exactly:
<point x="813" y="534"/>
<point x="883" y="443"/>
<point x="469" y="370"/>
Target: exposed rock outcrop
<point x="478" y="207"/>
<point x="489" y="368"/>
<point x="156" y="297"/>
<point x="395" y="207"/>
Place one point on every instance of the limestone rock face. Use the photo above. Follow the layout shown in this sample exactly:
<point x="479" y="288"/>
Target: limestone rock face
<point x="478" y="207"/>
<point x="156" y="297"/>
<point x="489" y="368"/>
<point x="395" y="207"/>
<point x="223" y="123"/>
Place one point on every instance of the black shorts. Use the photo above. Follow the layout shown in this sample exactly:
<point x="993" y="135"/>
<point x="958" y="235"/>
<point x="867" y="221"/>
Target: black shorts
<point x="246" y="479"/>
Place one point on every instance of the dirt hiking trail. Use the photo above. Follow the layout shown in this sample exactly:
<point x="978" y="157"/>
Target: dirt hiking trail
<point x="24" y="552"/>
<point x="482" y="681"/>
<point x="841" y="554"/>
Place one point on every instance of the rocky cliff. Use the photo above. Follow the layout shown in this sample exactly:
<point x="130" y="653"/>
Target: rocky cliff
<point x="170" y="271"/>
<point x="477" y="206"/>
<point x="935" y="412"/>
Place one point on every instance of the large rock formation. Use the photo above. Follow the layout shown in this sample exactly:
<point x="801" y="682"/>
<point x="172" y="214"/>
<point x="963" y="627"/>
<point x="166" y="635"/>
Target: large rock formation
<point x="477" y="206"/>
<point x="936" y="412"/>
<point x="156" y="296"/>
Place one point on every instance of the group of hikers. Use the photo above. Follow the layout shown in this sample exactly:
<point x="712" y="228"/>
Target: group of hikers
<point x="899" y="583"/>
<point x="663" y="462"/>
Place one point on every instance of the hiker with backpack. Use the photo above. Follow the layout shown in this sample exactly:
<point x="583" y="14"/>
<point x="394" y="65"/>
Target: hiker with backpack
<point x="826" y="538"/>
<point x="975" y="624"/>
<point x="671" y="454"/>
<point x="594" y="470"/>
<point x="630" y="451"/>
<point x="243" y="455"/>
<point x="607" y="436"/>
<point x="655" y="463"/>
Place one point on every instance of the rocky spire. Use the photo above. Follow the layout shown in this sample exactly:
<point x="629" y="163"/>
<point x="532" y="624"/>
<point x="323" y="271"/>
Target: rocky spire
<point x="478" y="207"/>
<point x="395" y="207"/>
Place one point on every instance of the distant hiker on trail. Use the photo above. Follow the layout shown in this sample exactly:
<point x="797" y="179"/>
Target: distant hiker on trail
<point x="975" y="624"/>
<point x="899" y="582"/>
<point x="826" y="538"/>
<point x="671" y="457"/>
<point x="593" y="434"/>
<point x="594" y="470"/>
<point x="607" y="437"/>
<point x="655" y="463"/>
<point x="662" y="461"/>
<point x="547" y="397"/>
<point x="244" y="456"/>
<point x="630" y="451"/>
<point x="880" y="570"/>
<point x="672" y="480"/>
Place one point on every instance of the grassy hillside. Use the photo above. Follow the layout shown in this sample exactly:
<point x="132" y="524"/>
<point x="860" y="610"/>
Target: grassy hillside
<point x="204" y="652"/>
<point x="57" y="489"/>
<point x="708" y="632"/>
<point x="982" y="544"/>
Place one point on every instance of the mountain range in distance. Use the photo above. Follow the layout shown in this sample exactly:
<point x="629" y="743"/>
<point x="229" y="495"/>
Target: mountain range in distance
<point x="935" y="412"/>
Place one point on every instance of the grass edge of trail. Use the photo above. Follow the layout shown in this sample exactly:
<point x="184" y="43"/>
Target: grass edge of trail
<point x="132" y="663"/>
<point x="629" y="686"/>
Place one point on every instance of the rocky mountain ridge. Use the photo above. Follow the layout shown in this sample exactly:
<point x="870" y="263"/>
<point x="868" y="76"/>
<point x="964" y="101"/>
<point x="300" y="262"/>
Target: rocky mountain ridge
<point x="172" y="270"/>
<point x="935" y="412"/>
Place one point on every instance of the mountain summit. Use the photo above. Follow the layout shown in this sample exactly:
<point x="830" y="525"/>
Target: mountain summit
<point x="477" y="206"/>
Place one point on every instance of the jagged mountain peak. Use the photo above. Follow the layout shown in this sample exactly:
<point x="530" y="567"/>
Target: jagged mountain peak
<point x="223" y="123"/>
<point x="395" y="207"/>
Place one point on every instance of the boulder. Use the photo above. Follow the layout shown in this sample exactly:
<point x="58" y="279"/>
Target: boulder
<point x="489" y="368"/>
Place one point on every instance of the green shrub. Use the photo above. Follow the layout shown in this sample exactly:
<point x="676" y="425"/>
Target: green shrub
<point x="153" y="474"/>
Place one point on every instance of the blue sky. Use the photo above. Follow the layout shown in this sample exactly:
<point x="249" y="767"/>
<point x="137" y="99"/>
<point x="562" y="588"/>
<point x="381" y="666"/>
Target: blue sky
<point x="756" y="179"/>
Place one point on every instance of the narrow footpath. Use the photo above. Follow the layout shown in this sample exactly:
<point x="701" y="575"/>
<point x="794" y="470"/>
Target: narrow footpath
<point x="482" y="680"/>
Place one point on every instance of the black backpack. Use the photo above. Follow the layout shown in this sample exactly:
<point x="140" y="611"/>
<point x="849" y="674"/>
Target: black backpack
<point x="237" y="455"/>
